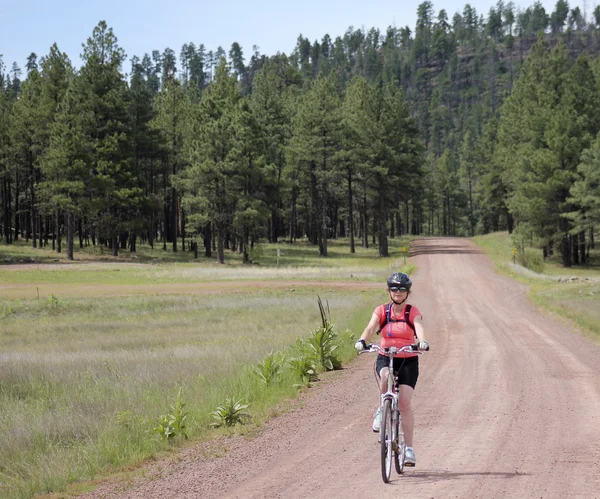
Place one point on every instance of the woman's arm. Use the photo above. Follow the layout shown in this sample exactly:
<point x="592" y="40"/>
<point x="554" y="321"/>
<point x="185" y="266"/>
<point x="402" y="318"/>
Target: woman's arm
<point x="371" y="328"/>
<point x="420" y="332"/>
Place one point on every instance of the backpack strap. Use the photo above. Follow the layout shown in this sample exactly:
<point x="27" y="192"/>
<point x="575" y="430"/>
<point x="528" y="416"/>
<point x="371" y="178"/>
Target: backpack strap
<point x="407" y="318"/>
<point x="388" y="318"/>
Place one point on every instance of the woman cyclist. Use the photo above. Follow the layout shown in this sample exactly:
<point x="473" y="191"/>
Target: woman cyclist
<point x="391" y="320"/>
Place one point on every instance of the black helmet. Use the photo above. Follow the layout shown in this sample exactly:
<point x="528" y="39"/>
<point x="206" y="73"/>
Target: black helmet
<point x="399" y="280"/>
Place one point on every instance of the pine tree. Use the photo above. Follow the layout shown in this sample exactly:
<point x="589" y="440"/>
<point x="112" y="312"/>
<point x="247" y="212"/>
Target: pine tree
<point x="208" y="142"/>
<point x="103" y="92"/>
<point x="66" y="174"/>
<point x="26" y="146"/>
<point x="272" y="104"/>
<point x="169" y="123"/>
<point x="585" y="192"/>
<point x="317" y="136"/>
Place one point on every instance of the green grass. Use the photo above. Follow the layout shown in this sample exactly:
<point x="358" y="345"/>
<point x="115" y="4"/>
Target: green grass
<point x="82" y="384"/>
<point x="577" y="301"/>
<point x="300" y="261"/>
<point x="84" y="380"/>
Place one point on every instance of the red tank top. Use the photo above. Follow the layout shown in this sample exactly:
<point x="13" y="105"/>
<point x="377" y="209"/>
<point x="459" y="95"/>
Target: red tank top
<point x="397" y="334"/>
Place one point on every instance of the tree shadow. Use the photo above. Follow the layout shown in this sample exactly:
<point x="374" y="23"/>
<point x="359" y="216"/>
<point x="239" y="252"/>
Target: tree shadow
<point x="430" y="476"/>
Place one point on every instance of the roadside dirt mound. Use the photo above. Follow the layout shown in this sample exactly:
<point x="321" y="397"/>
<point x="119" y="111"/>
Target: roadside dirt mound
<point x="507" y="405"/>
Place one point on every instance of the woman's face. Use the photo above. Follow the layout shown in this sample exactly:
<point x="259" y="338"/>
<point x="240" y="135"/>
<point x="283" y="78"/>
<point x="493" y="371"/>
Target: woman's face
<point x="398" y="294"/>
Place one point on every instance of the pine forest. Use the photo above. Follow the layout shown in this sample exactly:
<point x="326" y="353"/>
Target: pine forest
<point x="467" y="123"/>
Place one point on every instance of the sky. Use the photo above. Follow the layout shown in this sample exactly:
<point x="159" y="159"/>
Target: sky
<point x="144" y="25"/>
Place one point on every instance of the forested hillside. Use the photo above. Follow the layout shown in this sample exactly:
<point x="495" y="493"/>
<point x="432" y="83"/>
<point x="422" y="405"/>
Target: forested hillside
<point x="469" y="123"/>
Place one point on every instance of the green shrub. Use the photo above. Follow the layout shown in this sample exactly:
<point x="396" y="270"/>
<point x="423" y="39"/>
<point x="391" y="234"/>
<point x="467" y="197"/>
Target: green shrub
<point x="303" y="368"/>
<point x="533" y="260"/>
<point x="322" y="345"/>
<point x="7" y="310"/>
<point x="230" y="413"/>
<point x="269" y="370"/>
<point x="256" y="254"/>
<point x="52" y="302"/>
<point x="173" y="424"/>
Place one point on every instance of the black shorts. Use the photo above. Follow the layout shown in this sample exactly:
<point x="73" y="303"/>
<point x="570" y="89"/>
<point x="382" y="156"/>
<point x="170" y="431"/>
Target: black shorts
<point x="407" y="369"/>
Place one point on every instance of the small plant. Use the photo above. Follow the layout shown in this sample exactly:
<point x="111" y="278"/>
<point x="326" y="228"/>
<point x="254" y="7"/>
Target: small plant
<point x="230" y="413"/>
<point x="7" y="310"/>
<point x="255" y="254"/>
<point x="52" y="302"/>
<point x="526" y="244"/>
<point x="303" y="369"/>
<point x="322" y="344"/>
<point x="269" y="370"/>
<point x="173" y="424"/>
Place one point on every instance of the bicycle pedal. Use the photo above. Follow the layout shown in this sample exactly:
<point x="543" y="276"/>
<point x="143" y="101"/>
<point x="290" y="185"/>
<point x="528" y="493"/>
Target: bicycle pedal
<point x="409" y="465"/>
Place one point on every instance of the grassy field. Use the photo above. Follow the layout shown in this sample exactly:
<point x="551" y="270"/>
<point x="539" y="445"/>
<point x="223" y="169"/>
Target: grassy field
<point x="84" y="378"/>
<point x="298" y="261"/>
<point x="575" y="300"/>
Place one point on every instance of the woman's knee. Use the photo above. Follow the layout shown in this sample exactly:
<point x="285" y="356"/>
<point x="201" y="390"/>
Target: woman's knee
<point x="383" y="378"/>
<point x="405" y="406"/>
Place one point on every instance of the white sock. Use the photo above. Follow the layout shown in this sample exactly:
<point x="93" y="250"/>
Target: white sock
<point x="409" y="448"/>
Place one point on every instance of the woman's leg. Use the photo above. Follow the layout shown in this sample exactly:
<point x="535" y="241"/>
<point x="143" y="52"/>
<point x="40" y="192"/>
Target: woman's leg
<point x="405" y="394"/>
<point x="383" y="381"/>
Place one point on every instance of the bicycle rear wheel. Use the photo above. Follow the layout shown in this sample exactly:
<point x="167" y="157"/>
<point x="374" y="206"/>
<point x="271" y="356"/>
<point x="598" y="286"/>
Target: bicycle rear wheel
<point x="387" y="441"/>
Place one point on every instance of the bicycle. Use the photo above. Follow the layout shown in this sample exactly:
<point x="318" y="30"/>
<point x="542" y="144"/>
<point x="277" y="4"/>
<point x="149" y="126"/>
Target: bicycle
<point x="391" y="437"/>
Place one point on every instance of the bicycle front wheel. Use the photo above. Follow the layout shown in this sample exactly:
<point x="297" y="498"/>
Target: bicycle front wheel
<point x="387" y="441"/>
<point x="400" y="446"/>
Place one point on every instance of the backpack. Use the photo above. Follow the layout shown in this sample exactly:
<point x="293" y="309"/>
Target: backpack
<point x="388" y="318"/>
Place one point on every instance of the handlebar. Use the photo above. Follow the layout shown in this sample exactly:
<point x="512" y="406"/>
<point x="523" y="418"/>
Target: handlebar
<point x="392" y="350"/>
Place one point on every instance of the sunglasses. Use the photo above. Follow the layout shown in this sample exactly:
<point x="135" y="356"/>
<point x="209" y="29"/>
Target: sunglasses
<point x="397" y="290"/>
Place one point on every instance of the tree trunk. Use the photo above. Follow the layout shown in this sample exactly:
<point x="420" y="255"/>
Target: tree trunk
<point x="79" y="231"/>
<point x="382" y="222"/>
<point x="575" y="249"/>
<point x="207" y="240"/>
<point x="365" y="235"/>
<point x="40" y="230"/>
<point x="314" y="211"/>
<point x="70" y="235"/>
<point x="58" y="234"/>
<point x="244" y="245"/>
<point x="350" y="212"/>
<point x="323" y="231"/>
<point x="114" y="244"/>
<point x="565" y="249"/>
<point x="220" y="243"/>
<point x="9" y="237"/>
<point x="293" y="215"/>
<point x="34" y="218"/>
<point x="17" y="215"/>
<point x="471" y="214"/>
<point x="510" y="222"/>
<point x="174" y="219"/>
<point x="181" y="224"/>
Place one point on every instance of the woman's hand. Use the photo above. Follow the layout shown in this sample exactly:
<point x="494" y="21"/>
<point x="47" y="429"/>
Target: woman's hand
<point x="360" y="345"/>
<point x="423" y="345"/>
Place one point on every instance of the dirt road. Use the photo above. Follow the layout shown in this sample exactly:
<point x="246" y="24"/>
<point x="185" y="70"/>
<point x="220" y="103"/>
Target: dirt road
<point x="507" y="405"/>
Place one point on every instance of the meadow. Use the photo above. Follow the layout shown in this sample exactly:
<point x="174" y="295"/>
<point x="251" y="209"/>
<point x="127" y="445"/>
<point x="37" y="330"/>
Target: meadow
<point x="572" y="293"/>
<point x="86" y="376"/>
